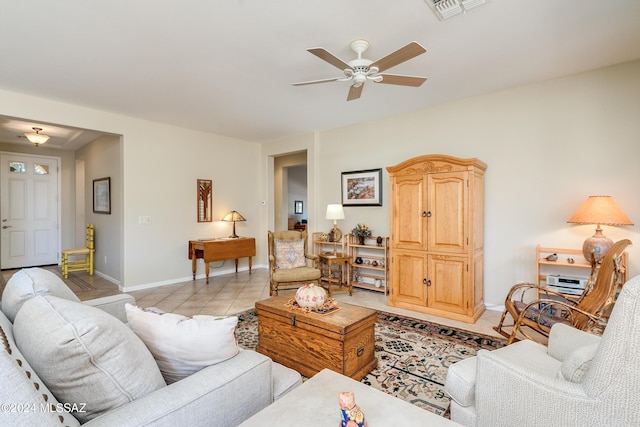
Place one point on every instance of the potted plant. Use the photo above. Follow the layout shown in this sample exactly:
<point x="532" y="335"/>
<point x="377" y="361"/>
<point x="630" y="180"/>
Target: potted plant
<point x="361" y="231"/>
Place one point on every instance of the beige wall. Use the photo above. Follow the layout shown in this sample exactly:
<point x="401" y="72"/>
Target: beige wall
<point x="158" y="179"/>
<point x="102" y="159"/>
<point x="548" y="146"/>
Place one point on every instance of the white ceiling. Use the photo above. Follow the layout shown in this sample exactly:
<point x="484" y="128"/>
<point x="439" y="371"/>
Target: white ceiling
<point x="226" y="66"/>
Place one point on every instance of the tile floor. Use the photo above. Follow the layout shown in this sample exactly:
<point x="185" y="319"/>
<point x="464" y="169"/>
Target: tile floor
<point x="235" y="292"/>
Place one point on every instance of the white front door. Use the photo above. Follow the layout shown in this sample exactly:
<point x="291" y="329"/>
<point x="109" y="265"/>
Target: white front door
<point x="28" y="210"/>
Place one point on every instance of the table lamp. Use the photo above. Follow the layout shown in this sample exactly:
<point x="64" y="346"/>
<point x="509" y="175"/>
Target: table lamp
<point x="598" y="210"/>
<point x="233" y="216"/>
<point x="335" y="212"/>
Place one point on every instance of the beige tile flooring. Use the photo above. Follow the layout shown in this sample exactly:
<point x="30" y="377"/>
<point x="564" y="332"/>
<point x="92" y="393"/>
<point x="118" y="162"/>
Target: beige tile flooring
<point x="232" y="293"/>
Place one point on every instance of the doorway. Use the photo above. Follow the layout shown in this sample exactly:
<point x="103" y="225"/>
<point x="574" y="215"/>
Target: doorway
<point x="290" y="191"/>
<point x="29" y="212"/>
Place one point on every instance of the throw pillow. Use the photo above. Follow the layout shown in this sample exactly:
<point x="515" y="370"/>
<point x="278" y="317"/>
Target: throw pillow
<point x="23" y="392"/>
<point x="289" y="253"/>
<point x="577" y="363"/>
<point x="28" y="283"/>
<point x="84" y="355"/>
<point x="184" y="345"/>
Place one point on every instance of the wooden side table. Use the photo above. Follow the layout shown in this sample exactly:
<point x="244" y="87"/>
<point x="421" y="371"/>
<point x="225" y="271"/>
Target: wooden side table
<point x="344" y="277"/>
<point x="219" y="250"/>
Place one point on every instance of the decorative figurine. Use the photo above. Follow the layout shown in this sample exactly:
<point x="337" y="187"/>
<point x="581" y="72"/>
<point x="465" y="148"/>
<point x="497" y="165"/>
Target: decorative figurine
<point x="552" y="257"/>
<point x="571" y="260"/>
<point x="379" y="240"/>
<point x="351" y="414"/>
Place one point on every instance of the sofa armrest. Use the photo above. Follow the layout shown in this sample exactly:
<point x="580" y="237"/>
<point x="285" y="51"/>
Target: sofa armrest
<point x="114" y="305"/>
<point x="505" y="381"/>
<point x="222" y="395"/>
<point x="564" y="339"/>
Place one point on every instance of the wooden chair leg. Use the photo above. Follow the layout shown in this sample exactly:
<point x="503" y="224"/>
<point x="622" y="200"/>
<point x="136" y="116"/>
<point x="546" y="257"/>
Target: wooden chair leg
<point x="65" y="265"/>
<point x="90" y="256"/>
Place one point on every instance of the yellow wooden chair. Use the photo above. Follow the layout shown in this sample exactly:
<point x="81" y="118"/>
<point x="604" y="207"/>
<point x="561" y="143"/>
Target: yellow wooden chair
<point x="84" y="264"/>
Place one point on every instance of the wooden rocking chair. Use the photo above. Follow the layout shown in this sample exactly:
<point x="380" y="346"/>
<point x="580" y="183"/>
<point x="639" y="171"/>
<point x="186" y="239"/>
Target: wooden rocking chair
<point x="551" y="307"/>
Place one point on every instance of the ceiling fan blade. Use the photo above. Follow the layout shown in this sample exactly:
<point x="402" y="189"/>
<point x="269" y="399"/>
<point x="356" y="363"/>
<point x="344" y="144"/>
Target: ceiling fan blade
<point x="329" y="57"/>
<point x="354" y="92"/>
<point x="394" y="79"/>
<point x="411" y="50"/>
<point x="312" y="82"/>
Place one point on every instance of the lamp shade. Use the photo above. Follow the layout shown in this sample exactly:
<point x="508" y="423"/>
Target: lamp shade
<point x="598" y="210"/>
<point x="233" y="216"/>
<point x="334" y="212"/>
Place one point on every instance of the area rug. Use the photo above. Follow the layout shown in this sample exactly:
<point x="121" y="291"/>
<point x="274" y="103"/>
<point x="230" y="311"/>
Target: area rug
<point x="413" y="356"/>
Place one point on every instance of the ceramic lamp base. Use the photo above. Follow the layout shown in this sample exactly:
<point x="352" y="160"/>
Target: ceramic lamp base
<point x="596" y="246"/>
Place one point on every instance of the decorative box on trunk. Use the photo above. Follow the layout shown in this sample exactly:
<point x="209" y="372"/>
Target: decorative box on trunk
<point x="342" y="341"/>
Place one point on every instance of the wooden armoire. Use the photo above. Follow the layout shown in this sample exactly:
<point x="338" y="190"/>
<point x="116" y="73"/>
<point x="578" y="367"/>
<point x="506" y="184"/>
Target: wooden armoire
<point x="437" y="236"/>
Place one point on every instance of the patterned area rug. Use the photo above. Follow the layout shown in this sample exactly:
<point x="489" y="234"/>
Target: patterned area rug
<point x="413" y="356"/>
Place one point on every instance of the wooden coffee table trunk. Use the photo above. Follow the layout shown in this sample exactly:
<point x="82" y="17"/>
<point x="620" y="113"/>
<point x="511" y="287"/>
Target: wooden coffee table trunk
<point x="342" y="341"/>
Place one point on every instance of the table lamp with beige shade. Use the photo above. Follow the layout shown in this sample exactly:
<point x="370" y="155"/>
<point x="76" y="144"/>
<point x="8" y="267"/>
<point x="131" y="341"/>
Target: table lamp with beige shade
<point x="599" y="210"/>
<point x="233" y="216"/>
<point x="335" y="212"/>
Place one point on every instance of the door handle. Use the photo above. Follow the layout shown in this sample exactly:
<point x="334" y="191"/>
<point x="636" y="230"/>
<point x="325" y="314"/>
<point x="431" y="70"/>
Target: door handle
<point x="6" y="226"/>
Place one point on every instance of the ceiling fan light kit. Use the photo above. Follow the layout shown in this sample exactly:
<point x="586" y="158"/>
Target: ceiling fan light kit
<point x="359" y="70"/>
<point x="444" y="9"/>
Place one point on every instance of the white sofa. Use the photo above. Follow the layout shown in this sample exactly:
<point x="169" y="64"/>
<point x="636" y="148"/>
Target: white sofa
<point x="224" y="394"/>
<point x="579" y="379"/>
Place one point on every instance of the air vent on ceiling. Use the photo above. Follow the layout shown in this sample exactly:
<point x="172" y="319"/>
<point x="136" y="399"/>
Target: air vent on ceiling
<point x="447" y="8"/>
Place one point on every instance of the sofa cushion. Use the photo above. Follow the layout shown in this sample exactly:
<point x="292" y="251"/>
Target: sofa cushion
<point x="289" y="253"/>
<point x="577" y="363"/>
<point x="29" y="282"/>
<point x="184" y="345"/>
<point x="84" y="355"/>
<point x="29" y="401"/>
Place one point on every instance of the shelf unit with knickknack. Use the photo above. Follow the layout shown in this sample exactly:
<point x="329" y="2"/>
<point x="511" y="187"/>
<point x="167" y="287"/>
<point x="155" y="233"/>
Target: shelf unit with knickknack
<point x="373" y="271"/>
<point x="562" y="266"/>
<point x="331" y="272"/>
<point x="321" y="244"/>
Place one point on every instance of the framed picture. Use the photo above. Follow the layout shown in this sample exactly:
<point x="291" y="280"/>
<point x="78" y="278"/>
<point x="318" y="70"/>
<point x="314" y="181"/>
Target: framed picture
<point x="362" y="188"/>
<point x="297" y="207"/>
<point x="205" y="200"/>
<point x="102" y="195"/>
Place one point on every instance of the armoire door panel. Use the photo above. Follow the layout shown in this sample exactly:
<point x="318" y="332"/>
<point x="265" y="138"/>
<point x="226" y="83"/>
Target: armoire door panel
<point x="409" y="270"/>
<point x="447" y="275"/>
<point x="410" y="197"/>
<point x="447" y="203"/>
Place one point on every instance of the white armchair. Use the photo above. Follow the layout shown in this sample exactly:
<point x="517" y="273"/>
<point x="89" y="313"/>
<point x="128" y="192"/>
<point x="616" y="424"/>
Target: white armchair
<point x="580" y="379"/>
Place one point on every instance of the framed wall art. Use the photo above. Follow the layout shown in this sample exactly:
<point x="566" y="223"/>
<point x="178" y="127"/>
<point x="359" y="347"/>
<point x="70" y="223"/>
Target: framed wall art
<point x="362" y="188"/>
<point x="102" y="195"/>
<point x="205" y="200"/>
<point x="297" y="207"/>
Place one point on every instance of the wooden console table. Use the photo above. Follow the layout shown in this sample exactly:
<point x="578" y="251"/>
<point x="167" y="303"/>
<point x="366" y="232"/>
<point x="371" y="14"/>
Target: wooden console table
<point x="219" y="250"/>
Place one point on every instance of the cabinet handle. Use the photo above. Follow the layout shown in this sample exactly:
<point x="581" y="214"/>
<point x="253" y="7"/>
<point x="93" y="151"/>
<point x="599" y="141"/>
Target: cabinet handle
<point x="426" y="281"/>
<point x="426" y="214"/>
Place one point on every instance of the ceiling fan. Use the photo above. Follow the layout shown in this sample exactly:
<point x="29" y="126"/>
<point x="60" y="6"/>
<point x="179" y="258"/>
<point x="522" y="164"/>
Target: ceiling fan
<point x="360" y="70"/>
